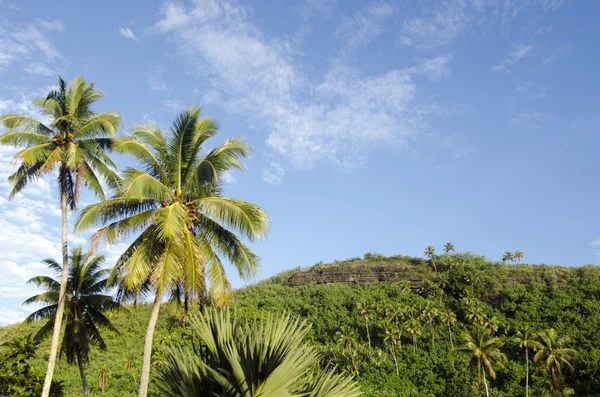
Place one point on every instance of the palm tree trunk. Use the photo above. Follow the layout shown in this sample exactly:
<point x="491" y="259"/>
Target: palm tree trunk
<point x="82" y="374"/>
<point x="451" y="343"/>
<point x="527" y="372"/>
<point x="414" y="344"/>
<point x="432" y="335"/>
<point x="145" y="378"/>
<point x="368" y="335"/>
<point x="61" y="298"/>
<point x="487" y="392"/>
<point x="395" y="361"/>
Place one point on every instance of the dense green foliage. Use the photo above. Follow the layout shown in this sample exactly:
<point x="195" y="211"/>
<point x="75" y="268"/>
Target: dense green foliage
<point x="503" y="298"/>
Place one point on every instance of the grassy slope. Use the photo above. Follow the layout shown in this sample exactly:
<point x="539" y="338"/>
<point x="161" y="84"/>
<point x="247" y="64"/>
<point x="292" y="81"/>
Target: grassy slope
<point x="568" y="307"/>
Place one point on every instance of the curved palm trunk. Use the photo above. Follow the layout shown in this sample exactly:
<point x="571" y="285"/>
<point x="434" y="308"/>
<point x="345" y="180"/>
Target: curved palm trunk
<point x="432" y="335"/>
<point x="414" y="343"/>
<point x="82" y="374"/>
<point x="61" y="299"/>
<point x="451" y="343"/>
<point x="395" y="360"/>
<point x="527" y="372"/>
<point x="145" y="378"/>
<point x="487" y="392"/>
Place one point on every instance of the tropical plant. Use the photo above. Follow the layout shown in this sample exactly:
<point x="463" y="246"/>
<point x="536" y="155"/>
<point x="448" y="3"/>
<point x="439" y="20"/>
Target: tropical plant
<point x="448" y="318"/>
<point x="491" y="323"/>
<point x="448" y="248"/>
<point x="365" y="312"/>
<point x="73" y="143"/>
<point x="554" y="356"/>
<point x="131" y="366"/>
<point x="485" y="353"/>
<point x="84" y="305"/>
<point x="430" y="254"/>
<point x="236" y="358"/>
<point x="431" y="314"/>
<point x="390" y="338"/>
<point x="508" y="257"/>
<point x="413" y="327"/>
<point x="184" y="223"/>
<point x="525" y="339"/>
<point x="395" y="314"/>
<point x="519" y="255"/>
<point x="103" y="378"/>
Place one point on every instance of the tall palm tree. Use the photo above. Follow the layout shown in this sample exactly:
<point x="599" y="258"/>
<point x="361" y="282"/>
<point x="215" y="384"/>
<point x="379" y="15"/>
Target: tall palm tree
<point x="268" y="358"/>
<point x="448" y="248"/>
<point x="430" y="254"/>
<point x="413" y="327"/>
<point x="84" y="305"/>
<point x="526" y="340"/>
<point x="347" y="340"/>
<point x="390" y="337"/>
<point x="73" y="143"/>
<point x="431" y="314"/>
<point x="395" y="314"/>
<point x="491" y="323"/>
<point x="508" y="257"/>
<point x="519" y="255"/>
<point x="485" y="353"/>
<point x="366" y="312"/>
<point x="552" y="352"/>
<point x="175" y="206"/>
<point x="449" y="318"/>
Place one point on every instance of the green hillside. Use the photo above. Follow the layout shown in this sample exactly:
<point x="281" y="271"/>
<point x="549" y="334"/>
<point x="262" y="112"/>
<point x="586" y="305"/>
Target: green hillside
<point x="504" y="297"/>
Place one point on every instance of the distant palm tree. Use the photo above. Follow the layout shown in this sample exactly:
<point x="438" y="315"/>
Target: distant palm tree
<point x="366" y="312"/>
<point x="390" y="338"/>
<point x="475" y="312"/>
<point x="526" y="340"/>
<point x="413" y="327"/>
<point x="103" y="378"/>
<point x="431" y="314"/>
<point x="508" y="257"/>
<point x="448" y="248"/>
<point x="519" y="255"/>
<point x="430" y="254"/>
<point x="485" y="353"/>
<point x="131" y="366"/>
<point x="552" y="352"/>
<point x="175" y="203"/>
<point x="396" y="314"/>
<point x="347" y="340"/>
<point x="268" y="358"/>
<point x="491" y="323"/>
<point x="84" y="306"/>
<point x="449" y="318"/>
<point x="443" y="280"/>
<point x="74" y="144"/>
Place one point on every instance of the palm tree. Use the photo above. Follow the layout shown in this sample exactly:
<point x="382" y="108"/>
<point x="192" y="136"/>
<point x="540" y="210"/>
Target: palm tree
<point x="73" y="143"/>
<point x="485" y="353"/>
<point x="475" y="312"/>
<point x="184" y="223"/>
<point x="491" y="323"/>
<point x="389" y="337"/>
<point x="346" y="339"/>
<point x="508" y="257"/>
<point x="131" y="365"/>
<point x="103" y="378"/>
<point x="552" y="351"/>
<point x="267" y="358"/>
<point x="84" y="306"/>
<point x="430" y="254"/>
<point x="431" y="314"/>
<point x="448" y="248"/>
<point x="443" y="280"/>
<point x="413" y="327"/>
<point x="395" y="314"/>
<point x="365" y="311"/>
<point x="519" y="255"/>
<point x="526" y="340"/>
<point x="449" y="318"/>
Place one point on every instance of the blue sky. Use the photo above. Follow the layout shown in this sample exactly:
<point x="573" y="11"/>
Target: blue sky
<point x="375" y="126"/>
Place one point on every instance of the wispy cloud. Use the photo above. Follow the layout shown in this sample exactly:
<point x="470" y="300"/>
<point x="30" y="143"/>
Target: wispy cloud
<point x="433" y="68"/>
<point x="532" y="90"/>
<point x="173" y="105"/>
<point x="554" y="55"/>
<point x="155" y="79"/>
<point x="596" y="242"/>
<point x="336" y="117"/>
<point x="127" y="33"/>
<point x="532" y="120"/>
<point x="358" y="31"/>
<point x="520" y="52"/>
<point x="274" y="173"/>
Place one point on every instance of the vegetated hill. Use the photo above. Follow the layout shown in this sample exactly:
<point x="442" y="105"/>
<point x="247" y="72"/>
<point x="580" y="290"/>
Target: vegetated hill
<point x="329" y="295"/>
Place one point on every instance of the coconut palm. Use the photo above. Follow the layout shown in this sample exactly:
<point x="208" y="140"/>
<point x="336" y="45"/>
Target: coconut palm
<point x="72" y="143"/>
<point x="267" y="358"/>
<point x="390" y="338"/>
<point x="449" y="318"/>
<point x="485" y="353"/>
<point x="448" y="248"/>
<point x="519" y="255"/>
<point x="83" y="307"/>
<point x="525" y="338"/>
<point x="103" y="378"/>
<point x="413" y="327"/>
<point x="508" y="257"/>
<point x="430" y="254"/>
<point x="554" y="356"/>
<point x="491" y="323"/>
<point x="174" y="205"/>
<point x="475" y="312"/>
<point x="395" y="314"/>
<point x="365" y="311"/>
<point x="431" y="314"/>
<point x="347" y="340"/>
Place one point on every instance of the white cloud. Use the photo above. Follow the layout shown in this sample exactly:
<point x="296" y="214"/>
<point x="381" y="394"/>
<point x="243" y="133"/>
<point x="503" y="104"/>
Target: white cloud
<point x="532" y="120"/>
<point x="173" y="105"/>
<point x="532" y="91"/>
<point x="127" y="33"/>
<point x="41" y="69"/>
<point x="363" y="27"/>
<point x="335" y="118"/>
<point x="596" y="242"/>
<point x="274" y="173"/>
<point x="228" y="177"/>
<point x="520" y="52"/>
<point x="155" y="75"/>
<point x="434" y="68"/>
